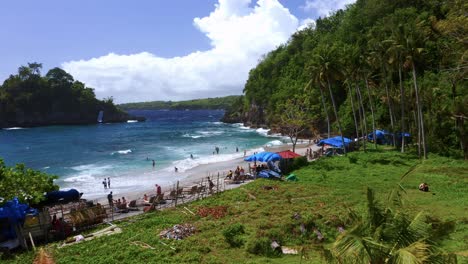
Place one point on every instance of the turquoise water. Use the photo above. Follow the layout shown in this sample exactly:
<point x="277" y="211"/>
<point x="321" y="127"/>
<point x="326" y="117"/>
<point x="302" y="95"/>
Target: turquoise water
<point x="83" y="155"/>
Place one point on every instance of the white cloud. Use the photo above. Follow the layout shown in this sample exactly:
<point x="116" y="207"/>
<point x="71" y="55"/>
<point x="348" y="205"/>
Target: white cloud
<point x="308" y="22"/>
<point x="239" y="35"/>
<point x="323" y="8"/>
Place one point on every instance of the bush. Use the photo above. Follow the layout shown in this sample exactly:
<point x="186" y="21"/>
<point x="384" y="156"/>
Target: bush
<point x="233" y="235"/>
<point x="262" y="246"/>
<point x="299" y="162"/>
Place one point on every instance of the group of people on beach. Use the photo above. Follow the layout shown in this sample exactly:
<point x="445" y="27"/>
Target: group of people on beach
<point x="117" y="204"/>
<point x="238" y="174"/>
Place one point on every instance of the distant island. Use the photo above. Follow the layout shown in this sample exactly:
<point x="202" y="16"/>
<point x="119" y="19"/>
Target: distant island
<point x="28" y="99"/>
<point x="207" y="103"/>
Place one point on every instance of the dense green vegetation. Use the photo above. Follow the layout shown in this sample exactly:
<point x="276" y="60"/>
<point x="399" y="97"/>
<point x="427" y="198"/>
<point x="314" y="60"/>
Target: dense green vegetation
<point x="394" y="65"/>
<point x="327" y="191"/>
<point x="207" y="103"/>
<point x="29" y="99"/>
<point x="26" y="184"/>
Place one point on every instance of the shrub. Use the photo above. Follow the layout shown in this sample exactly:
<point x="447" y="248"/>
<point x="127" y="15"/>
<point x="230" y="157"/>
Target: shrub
<point x="299" y="162"/>
<point x="233" y="235"/>
<point x="262" y="246"/>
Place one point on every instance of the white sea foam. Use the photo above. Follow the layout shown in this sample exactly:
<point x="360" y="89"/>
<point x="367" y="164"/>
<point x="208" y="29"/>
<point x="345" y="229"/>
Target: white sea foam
<point x="274" y="143"/>
<point x="132" y="121"/>
<point x="88" y="173"/>
<point x="262" y="131"/>
<point x="13" y="128"/>
<point x="186" y="164"/>
<point x="122" y="152"/>
<point x="203" y="134"/>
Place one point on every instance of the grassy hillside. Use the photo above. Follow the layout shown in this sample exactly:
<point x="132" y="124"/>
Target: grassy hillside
<point x="206" y="103"/>
<point x="327" y="189"/>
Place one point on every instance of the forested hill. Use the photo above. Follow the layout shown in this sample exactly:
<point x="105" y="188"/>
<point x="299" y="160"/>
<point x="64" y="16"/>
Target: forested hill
<point x="28" y="99"/>
<point x="380" y="64"/>
<point x="207" y="103"/>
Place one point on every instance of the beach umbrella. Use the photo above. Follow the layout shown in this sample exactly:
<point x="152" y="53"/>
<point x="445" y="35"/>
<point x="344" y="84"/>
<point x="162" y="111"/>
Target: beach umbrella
<point x="287" y="154"/>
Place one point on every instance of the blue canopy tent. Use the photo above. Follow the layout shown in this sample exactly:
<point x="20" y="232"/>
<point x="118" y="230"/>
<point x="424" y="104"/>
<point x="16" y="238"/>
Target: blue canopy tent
<point x="335" y="142"/>
<point x="264" y="157"/>
<point x="399" y="135"/>
<point x="382" y="137"/>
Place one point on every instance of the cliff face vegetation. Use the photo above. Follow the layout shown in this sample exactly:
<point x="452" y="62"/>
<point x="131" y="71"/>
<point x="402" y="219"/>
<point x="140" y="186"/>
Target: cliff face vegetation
<point x="29" y="99"/>
<point x="394" y="65"/>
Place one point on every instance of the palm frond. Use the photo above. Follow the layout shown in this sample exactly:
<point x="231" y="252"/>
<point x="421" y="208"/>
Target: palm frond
<point x="375" y="213"/>
<point x="416" y="253"/>
<point x="351" y="246"/>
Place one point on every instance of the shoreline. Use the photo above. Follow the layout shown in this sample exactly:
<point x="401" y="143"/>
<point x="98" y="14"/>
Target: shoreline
<point x="200" y="172"/>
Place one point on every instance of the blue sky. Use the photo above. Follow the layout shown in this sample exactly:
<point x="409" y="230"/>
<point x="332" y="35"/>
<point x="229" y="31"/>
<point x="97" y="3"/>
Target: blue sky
<point x="100" y="41"/>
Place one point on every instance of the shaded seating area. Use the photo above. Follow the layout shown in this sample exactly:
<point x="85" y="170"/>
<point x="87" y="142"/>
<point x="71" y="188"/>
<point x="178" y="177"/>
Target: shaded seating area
<point x="271" y="170"/>
<point x="335" y="143"/>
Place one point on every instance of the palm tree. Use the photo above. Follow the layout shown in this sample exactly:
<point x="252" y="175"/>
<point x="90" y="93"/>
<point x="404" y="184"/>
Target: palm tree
<point x="326" y="65"/>
<point x="413" y="42"/>
<point x="386" y="235"/>
<point x="362" y="116"/>
<point x="378" y="56"/>
<point x="350" y="53"/>
<point x="371" y="104"/>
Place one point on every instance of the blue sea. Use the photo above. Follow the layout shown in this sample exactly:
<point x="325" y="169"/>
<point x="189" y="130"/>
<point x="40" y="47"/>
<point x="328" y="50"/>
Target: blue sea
<point x="83" y="155"/>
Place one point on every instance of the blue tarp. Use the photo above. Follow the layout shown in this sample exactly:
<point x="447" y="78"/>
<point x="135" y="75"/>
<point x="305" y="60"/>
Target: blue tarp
<point x="264" y="157"/>
<point x="379" y="134"/>
<point x="15" y="212"/>
<point x="335" y="142"/>
<point x="268" y="174"/>
<point x="71" y="195"/>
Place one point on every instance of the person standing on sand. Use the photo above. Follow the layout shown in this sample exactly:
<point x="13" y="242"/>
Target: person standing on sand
<point x="110" y="200"/>
<point x="108" y="182"/>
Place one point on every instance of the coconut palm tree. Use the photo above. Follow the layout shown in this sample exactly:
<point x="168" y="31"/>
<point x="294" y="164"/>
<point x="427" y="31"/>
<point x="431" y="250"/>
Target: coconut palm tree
<point x="326" y="65"/>
<point x="386" y="235"/>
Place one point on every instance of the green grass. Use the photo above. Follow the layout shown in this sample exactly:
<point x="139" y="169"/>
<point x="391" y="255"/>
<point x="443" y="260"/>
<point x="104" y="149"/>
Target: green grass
<point x="325" y="192"/>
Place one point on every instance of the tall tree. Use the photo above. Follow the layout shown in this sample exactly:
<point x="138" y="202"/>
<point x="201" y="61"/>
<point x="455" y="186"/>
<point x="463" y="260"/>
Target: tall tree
<point x="327" y="65"/>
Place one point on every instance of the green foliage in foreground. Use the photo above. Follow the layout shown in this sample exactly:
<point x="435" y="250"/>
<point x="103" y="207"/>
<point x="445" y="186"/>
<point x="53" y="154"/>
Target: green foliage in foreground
<point x="323" y="196"/>
<point x="26" y="184"/>
<point x="207" y="103"/>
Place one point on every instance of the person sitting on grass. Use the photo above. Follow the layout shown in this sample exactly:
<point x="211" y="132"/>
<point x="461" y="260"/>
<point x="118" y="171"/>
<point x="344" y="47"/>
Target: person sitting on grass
<point x="424" y="187"/>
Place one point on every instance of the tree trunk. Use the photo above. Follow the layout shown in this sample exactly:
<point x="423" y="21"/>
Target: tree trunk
<point x="354" y="112"/>
<point x="402" y="101"/>
<point x="336" y="115"/>
<point x="325" y="109"/>
<point x="363" y="121"/>
<point x="419" y="108"/>
<point x="389" y="103"/>
<point x="372" y="112"/>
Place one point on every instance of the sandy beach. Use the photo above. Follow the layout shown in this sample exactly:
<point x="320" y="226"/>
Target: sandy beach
<point x="200" y="173"/>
